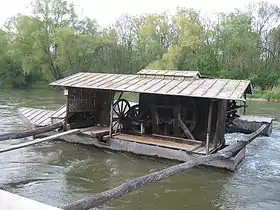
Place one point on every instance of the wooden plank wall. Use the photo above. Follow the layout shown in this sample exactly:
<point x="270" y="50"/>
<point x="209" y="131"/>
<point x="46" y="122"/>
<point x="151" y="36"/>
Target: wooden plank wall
<point x="92" y="101"/>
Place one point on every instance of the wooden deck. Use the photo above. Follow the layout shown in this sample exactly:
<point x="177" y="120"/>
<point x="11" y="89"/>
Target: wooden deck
<point x="96" y="131"/>
<point x="161" y="142"/>
<point x="41" y="117"/>
<point x="35" y="117"/>
<point x="59" y="114"/>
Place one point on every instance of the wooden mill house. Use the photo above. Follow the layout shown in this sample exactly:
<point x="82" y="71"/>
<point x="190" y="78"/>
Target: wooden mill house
<point x="177" y="115"/>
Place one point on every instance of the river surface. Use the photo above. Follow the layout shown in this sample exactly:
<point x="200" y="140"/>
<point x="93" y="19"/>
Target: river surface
<point x="58" y="173"/>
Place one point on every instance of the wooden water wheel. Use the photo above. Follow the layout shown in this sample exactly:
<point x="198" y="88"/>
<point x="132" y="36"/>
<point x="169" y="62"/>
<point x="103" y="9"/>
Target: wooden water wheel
<point x="133" y="112"/>
<point x="120" y="110"/>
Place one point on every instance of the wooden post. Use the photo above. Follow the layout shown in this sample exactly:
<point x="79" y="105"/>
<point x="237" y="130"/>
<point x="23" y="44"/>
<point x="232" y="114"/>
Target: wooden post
<point x="209" y="127"/>
<point x="217" y="130"/>
<point x="120" y="95"/>
<point x="66" y="93"/>
<point x="244" y="108"/>
<point x="111" y="113"/>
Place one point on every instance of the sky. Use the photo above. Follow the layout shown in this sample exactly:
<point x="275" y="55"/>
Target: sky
<point x="106" y="11"/>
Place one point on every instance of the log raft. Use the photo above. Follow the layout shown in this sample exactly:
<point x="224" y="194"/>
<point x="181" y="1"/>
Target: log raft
<point x="117" y="192"/>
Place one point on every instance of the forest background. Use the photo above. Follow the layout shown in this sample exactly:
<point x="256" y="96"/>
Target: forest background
<point x="54" y="42"/>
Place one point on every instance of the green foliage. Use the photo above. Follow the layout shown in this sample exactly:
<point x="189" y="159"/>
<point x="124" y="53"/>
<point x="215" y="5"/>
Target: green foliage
<point x="267" y="80"/>
<point x="54" y="42"/>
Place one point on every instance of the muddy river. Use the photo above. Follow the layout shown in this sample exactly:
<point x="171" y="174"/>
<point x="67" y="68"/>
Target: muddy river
<point x="57" y="173"/>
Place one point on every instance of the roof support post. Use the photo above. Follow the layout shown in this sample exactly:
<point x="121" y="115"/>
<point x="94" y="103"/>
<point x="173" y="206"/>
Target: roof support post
<point x="66" y="93"/>
<point x="111" y="113"/>
<point x="209" y="127"/>
<point x="244" y="109"/>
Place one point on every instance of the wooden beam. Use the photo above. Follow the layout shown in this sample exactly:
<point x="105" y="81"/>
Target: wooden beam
<point x="244" y="109"/>
<point x="209" y="123"/>
<point x="111" y="114"/>
<point x="178" y="139"/>
<point x="216" y="136"/>
<point x="185" y="128"/>
<point x="67" y="110"/>
<point x="34" y="132"/>
<point x="121" y="94"/>
<point x="26" y="144"/>
<point x="121" y="190"/>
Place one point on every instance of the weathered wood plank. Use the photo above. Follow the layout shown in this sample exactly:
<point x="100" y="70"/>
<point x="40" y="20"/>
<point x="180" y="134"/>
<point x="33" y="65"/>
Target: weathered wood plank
<point x="89" y="80"/>
<point x="159" y="85"/>
<point x="163" y="142"/>
<point x="216" y="88"/>
<point x="238" y="91"/>
<point x="204" y="87"/>
<point x="185" y="128"/>
<point x="228" y="89"/>
<point x="119" y="81"/>
<point x="139" y="84"/>
<point x="169" y="86"/>
<point x="100" y="78"/>
<point x="180" y="86"/>
<point x="195" y="85"/>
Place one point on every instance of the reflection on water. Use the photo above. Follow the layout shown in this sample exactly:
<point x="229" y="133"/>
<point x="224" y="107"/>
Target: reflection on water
<point x="57" y="173"/>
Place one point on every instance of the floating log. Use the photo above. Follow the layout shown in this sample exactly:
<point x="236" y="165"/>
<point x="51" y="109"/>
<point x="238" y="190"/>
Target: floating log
<point x="100" y="198"/>
<point x="26" y="144"/>
<point x="23" y="134"/>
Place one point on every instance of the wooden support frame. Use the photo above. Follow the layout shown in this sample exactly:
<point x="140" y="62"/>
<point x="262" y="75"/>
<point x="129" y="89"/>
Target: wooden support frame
<point x="192" y="141"/>
<point x="120" y="96"/>
<point x="67" y="110"/>
<point x="112" y="94"/>
<point x="216" y="136"/>
<point x="185" y="128"/>
<point x="245" y="104"/>
<point x="209" y="123"/>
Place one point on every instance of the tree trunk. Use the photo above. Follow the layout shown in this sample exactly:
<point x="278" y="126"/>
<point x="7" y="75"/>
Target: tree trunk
<point x="129" y="186"/>
<point x="27" y="133"/>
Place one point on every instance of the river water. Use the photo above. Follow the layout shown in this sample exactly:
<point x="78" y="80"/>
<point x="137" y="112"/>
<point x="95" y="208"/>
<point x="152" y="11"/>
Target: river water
<point x="57" y="173"/>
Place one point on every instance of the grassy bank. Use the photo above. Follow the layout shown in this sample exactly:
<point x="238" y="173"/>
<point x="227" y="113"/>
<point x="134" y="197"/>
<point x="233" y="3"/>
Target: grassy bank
<point x="265" y="95"/>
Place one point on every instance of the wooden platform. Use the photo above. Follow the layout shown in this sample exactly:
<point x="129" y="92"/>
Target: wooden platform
<point x="249" y="124"/>
<point x="41" y="117"/>
<point x="35" y="117"/>
<point x="96" y="131"/>
<point x="161" y="142"/>
<point x="59" y="114"/>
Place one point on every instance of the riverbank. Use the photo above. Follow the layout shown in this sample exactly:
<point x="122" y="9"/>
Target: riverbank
<point x="271" y="96"/>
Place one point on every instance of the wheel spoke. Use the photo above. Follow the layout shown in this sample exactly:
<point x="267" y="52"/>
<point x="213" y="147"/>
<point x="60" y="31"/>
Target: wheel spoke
<point x="115" y="123"/>
<point x="119" y="127"/>
<point x="119" y="108"/>
<point x="115" y="110"/>
<point x="123" y="107"/>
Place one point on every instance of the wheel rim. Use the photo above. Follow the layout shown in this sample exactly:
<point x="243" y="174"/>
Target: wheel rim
<point x="120" y="110"/>
<point x="133" y="111"/>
